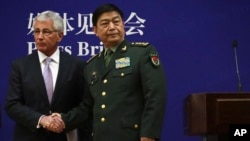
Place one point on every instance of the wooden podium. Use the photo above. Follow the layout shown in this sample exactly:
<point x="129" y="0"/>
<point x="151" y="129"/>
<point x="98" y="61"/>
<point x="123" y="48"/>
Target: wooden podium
<point x="210" y="114"/>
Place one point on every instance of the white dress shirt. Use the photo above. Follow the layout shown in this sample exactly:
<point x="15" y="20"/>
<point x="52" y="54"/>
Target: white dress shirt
<point x="54" y="66"/>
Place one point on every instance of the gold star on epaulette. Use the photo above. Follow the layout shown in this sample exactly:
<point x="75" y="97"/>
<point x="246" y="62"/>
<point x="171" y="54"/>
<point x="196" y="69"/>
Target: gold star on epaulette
<point x="92" y="57"/>
<point x="141" y="44"/>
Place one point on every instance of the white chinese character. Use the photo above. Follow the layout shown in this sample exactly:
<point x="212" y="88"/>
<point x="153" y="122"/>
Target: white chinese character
<point x="67" y="26"/>
<point x="85" y="23"/>
<point x="134" y="23"/>
<point x="30" y="24"/>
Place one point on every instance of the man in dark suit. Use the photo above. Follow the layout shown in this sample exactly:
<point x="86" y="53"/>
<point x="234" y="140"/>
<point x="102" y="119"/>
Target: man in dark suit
<point x="27" y="102"/>
<point x="127" y="87"/>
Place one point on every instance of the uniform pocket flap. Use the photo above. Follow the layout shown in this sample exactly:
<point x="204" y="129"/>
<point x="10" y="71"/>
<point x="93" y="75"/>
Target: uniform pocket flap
<point x="130" y="123"/>
<point x="123" y="71"/>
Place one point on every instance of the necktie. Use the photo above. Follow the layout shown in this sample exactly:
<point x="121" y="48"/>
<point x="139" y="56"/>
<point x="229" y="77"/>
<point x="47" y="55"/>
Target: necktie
<point x="108" y="56"/>
<point x="48" y="80"/>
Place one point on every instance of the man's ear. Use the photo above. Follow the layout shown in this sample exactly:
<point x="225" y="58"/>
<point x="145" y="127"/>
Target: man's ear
<point x="95" y="30"/>
<point x="60" y="36"/>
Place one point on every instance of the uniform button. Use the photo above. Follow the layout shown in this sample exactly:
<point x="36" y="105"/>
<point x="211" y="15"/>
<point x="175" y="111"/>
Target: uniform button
<point x="103" y="106"/>
<point x="105" y="81"/>
<point x="103" y="93"/>
<point x="103" y="119"/>
<point x="136" y="126"/>
<point x="122" y="74"/>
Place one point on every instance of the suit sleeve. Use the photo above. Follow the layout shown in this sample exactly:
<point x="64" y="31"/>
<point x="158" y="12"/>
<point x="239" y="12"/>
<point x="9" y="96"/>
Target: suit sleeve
<point x="154" y="89"/>
<point x="15" y="103"/>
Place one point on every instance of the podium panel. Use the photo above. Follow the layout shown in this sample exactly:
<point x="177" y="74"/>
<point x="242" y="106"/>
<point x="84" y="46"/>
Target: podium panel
<point x="212" y="113"/>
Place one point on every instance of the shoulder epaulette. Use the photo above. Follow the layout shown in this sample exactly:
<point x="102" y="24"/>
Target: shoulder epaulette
<point x="140" y="44"/>
<point x="92" y="57"/>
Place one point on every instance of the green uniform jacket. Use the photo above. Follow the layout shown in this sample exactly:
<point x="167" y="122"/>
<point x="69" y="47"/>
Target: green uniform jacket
<point x="128" y="97"/>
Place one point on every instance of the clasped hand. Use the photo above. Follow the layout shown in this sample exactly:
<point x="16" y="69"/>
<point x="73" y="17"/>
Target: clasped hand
<point x="53" y="123"/>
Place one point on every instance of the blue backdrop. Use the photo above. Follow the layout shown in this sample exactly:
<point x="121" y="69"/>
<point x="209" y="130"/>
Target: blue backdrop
<point x="194" y="40"/>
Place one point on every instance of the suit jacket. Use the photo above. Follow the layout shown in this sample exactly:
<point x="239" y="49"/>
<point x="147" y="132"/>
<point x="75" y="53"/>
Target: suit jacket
<point x="27" y="98"/>
<point x="127" y="98"/>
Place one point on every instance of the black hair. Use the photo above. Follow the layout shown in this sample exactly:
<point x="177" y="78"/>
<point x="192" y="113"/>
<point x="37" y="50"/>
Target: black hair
<point x="103" y="9"/>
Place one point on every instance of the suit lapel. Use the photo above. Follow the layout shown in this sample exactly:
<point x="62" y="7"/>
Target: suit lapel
<point x="60" y="75"/>
<point x="37" y="75"/>
<point x="100" y="65"/>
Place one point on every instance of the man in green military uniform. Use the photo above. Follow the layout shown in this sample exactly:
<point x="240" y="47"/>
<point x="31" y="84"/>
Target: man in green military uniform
<point x="126" y="83"/>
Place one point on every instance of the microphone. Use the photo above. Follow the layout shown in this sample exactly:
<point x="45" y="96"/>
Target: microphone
<point x="235" y="45"/>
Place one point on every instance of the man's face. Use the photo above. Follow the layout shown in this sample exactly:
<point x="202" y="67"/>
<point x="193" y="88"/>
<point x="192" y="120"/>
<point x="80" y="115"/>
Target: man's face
<point x="110" y="29"/>
<point x="46" y="37"/>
